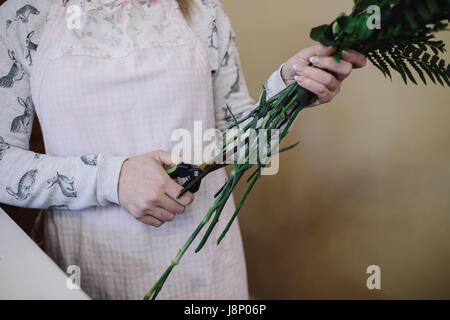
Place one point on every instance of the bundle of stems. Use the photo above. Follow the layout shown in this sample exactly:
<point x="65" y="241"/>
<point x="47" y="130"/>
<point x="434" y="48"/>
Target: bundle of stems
<point x="402" y="42"/>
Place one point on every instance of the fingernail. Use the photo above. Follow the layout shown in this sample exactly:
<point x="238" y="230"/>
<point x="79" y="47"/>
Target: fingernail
<point x="346" y="54"/>
<point x="314" y="60"/>
<point x="294" y="67"/>
<point x="299" y="78"/>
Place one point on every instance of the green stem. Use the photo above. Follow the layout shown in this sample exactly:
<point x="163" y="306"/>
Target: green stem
<point x="247" y="192"/>
<point x="154" y="291"/>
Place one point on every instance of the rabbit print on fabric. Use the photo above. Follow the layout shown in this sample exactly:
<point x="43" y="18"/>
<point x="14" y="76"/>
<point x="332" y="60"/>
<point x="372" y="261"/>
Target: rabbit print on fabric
<point x="21" y="124"/>
<point x="25" y="185"/>
<point x="90" y="159"/>
<point x="3" y="147"/>
<point x="64" y="183"/>
<point x="30" y="46"/>
<point x="15" y="73"/>
<point x="22" y="15"/>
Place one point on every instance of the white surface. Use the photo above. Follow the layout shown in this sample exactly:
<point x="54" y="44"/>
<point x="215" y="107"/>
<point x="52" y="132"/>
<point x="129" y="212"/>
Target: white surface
<point x="26" y="272"/>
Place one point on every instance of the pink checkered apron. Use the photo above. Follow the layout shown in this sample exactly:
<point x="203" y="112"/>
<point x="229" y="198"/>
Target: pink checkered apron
<point x="128" y="102"/>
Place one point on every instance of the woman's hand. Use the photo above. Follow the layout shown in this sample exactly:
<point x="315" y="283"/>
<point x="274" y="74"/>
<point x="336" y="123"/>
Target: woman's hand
<point x="146" y="190"/>
<point x="324" y="84"/>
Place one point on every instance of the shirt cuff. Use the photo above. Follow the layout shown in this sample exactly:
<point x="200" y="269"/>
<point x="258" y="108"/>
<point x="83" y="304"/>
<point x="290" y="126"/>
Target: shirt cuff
<point x="108" y="179"/>
<point x="275" y="83"/>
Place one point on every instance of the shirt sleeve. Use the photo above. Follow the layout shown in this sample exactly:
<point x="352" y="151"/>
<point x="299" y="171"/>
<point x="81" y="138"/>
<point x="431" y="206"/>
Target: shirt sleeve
<point x="229" y="84"/>
<point x="29" y="179"/>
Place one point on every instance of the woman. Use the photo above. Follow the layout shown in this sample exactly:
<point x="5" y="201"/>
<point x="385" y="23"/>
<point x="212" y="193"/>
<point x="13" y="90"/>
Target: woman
<point x="110" y="80"/>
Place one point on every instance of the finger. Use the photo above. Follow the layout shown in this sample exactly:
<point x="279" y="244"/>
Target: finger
<point x="167" y="158"/>
<point x="171" y="205"/>
<point x="151" y="221"/>
<point x="162" y="214"/>
<point x="341" y="69"/>
<point x="187" y="198"/>
<point x="173" y="189"/>
<point x="358" y="60"/>
<point x="323" y="94"/>
<point x="317" y="50"/>
<point x="323" y="77"/>
<point x="315" y="103"/>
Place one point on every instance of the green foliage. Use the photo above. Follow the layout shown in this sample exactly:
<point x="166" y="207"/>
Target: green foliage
<point x="404" y="43"/>
<point x="404" y="57"/>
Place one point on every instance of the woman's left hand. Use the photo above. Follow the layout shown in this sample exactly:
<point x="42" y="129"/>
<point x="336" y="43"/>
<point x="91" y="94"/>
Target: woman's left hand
<point x="324" y="84"/>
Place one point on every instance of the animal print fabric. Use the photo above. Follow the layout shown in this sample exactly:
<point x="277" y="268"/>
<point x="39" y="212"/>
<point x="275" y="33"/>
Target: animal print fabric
<point x="25" y="176"/>
<point x="98" y="106"/>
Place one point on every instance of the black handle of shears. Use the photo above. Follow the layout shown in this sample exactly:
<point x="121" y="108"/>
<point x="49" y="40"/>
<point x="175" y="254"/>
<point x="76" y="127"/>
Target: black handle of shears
<point x="183" y="170"/>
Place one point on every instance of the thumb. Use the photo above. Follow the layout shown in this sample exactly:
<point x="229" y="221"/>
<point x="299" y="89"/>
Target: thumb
<point x="167" y="158"/>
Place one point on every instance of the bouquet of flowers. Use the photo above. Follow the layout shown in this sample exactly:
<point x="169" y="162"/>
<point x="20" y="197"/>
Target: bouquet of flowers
<point x="395" y="35"/>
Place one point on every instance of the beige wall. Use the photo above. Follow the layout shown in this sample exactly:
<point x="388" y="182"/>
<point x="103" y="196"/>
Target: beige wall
<point x="370" y="183"/>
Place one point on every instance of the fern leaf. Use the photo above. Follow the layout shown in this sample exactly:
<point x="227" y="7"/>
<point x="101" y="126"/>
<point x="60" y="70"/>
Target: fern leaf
<point x="377" y="61"/>
<point x="418" y="70"/>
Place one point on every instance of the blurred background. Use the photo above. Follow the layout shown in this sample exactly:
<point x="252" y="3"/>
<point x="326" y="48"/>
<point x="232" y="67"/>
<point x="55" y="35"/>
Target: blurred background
<point x="368" y="185"/>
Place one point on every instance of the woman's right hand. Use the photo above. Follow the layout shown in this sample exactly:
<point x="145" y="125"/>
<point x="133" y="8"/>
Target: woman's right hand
<point x="146" y="190"/>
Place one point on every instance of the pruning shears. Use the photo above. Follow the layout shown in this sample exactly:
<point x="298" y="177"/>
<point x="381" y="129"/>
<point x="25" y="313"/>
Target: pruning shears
<point x="192" y="174"/>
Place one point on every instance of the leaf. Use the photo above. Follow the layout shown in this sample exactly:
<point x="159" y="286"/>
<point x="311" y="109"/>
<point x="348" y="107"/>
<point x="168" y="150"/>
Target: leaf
<point x="446" y="77"/>
<point x="423" y="10"/>
<point x="434" y="60"/>
<point x="324" y="34"/>
<point x="263" y="99"/>
<point x="379" y="62"/>
<point x="432" y="6"/>
<point x="236" y="123"/>
<point x="338" y="56"/>
<point x="411" y="19"/>
<point x="419" y="71"/>
<point x="288" y="147"/>
<point x="425" y="67"/>
<point x="422" y="46"/>
<point x="365" y="33"/>
<point x="347" y="24"/>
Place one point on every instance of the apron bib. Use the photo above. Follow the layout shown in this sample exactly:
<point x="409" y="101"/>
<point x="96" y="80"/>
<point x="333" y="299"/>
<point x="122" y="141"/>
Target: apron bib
<point x="121" y="84"/>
